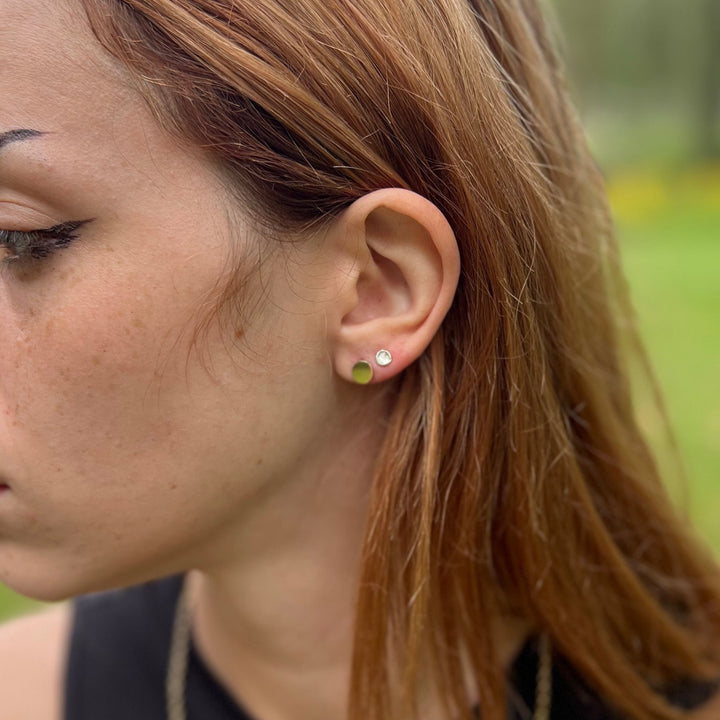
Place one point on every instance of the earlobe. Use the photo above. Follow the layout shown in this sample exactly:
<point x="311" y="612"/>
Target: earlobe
<point x="406" y="267"/>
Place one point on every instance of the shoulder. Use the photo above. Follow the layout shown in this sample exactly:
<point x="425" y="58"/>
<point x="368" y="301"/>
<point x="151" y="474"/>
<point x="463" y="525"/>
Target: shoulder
<point x="32" y="660"/>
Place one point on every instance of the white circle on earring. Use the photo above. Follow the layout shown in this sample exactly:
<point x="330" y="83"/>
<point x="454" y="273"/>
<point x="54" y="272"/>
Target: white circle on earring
<point x="383" y="357"/>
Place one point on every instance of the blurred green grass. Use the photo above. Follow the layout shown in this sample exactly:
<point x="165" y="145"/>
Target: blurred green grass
<point x="12" y="604"/>
<point x="669" y="228"/>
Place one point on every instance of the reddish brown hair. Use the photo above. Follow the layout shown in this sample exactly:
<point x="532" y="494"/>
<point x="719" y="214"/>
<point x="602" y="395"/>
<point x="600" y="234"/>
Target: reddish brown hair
<point x="514" y="477"/>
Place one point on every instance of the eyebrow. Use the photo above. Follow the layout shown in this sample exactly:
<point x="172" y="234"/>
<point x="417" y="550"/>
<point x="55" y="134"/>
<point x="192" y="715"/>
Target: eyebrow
<point x="12" y="136"/>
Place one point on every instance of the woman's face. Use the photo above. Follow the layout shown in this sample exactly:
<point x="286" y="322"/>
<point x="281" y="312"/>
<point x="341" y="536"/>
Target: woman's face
<point x="124" y="449"/>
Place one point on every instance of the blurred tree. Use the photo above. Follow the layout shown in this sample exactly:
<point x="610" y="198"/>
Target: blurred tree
<point x="653" y="60"/>
<point x="709" y="114"/>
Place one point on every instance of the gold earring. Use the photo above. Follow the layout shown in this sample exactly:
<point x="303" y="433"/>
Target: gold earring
<point x="362" y="372"/>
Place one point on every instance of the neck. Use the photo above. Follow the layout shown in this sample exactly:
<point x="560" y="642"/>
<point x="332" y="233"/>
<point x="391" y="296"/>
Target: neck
<point x="273" y="602"/>
<point x="273" y="597"/>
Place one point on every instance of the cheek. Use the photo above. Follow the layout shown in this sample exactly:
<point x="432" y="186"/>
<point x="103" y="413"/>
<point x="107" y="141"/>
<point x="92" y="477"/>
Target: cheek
<point x="96" y="439"/>
<point x="71" y="389"/>
<point x="93" y="391"/>
<point x="123" y="452"/>
<point x="81" y="375"/>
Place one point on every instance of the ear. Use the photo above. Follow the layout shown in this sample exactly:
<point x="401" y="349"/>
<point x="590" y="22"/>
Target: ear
<point x="400" y="271"/>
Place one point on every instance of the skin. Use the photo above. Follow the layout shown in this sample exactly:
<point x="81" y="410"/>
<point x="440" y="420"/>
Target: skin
<point x="131" y="454"/>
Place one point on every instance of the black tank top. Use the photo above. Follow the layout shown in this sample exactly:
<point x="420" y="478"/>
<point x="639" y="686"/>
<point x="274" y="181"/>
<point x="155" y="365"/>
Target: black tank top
<point x="120" y="643"/>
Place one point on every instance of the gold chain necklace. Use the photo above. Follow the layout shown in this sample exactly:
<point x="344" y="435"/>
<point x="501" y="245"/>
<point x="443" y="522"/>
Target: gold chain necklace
<point x="180" y="648"/>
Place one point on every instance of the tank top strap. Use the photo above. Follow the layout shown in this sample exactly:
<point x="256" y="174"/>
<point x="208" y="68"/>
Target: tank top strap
<point x="118" y="655"/>
<point x="118" y="652"/>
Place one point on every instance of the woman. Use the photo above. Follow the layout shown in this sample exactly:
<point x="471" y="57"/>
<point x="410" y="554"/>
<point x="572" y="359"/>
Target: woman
<point x="311" y="376"/>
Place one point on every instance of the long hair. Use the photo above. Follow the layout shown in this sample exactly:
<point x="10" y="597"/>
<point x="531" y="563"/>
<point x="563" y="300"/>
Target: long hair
<point x="514" y="478"/>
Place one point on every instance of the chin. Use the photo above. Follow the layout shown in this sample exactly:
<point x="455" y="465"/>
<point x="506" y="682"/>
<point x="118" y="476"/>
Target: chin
<point x="47" y="588"/>
<point x="62" y="574"/>
<point x="47" y="582"/>
<point x="46" y="592"/>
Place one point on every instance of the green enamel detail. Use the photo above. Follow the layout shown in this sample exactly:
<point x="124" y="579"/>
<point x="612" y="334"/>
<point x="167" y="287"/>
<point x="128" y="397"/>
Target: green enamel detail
<point x="362" y="372"/>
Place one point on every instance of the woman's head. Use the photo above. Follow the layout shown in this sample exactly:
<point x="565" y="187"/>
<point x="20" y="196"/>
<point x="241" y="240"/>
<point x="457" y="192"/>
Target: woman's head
<point x="271" y="191"/>
<point x="137" y="422"/>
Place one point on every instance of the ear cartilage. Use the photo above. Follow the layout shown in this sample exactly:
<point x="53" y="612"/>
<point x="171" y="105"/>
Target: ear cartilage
<point x="383" y="358"/>
<point x="362" y="372"/>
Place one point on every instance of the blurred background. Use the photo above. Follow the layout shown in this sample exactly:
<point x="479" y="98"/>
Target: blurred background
<point x="645" y="75"/>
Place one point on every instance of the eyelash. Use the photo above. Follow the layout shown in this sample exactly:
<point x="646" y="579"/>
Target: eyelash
<point x="37" y="244"/>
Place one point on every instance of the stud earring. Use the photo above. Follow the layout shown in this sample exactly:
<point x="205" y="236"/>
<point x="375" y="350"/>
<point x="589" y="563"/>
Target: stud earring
<point x="362" y="372"/>
<point x="383" y="358"/>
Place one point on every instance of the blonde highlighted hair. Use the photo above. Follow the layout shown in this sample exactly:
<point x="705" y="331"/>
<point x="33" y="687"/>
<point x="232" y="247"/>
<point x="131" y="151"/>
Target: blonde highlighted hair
<point x="514" y="477"/>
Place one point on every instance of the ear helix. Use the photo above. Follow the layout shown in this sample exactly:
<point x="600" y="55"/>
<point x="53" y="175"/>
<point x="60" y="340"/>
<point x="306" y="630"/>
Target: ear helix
<point x="362" y="371"/>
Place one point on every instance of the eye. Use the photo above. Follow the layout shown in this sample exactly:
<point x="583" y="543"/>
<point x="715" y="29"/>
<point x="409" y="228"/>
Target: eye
<point x="37" y="244"/>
